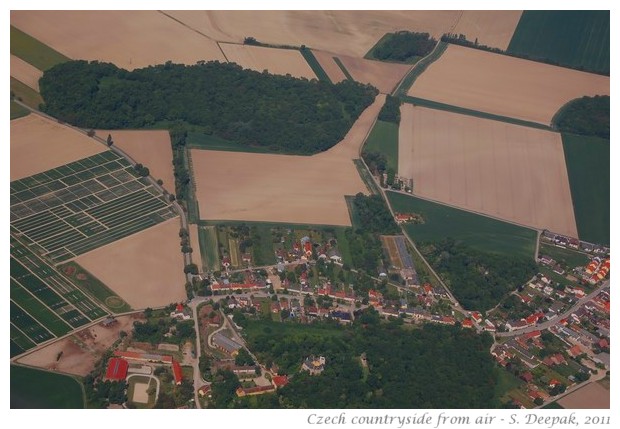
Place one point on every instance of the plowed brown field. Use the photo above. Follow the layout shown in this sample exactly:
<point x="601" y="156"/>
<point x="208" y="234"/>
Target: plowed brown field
<point x="276" y="61"/>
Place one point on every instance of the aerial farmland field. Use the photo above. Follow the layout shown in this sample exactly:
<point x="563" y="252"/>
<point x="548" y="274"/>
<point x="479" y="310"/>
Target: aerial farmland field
<point x="504" y="85"/>
<point x="276" y="61"/>
<point x="25" y="72"/>
<point x="32" y="388"/>
<point x="503" y="170"/>
<point x="575" y="38"/>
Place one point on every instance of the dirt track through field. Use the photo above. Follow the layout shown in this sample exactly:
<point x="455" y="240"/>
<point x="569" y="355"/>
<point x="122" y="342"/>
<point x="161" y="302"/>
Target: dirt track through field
<point x="38" y="144"/>
<point x="276" y="61"/>
<point x="150" y="148"/>
<point x="503" y="170"/>
<point x="129" y="39"/>
<point x="145" y="269"/>
<point x="25" y="73"/>
<point x="504" y="85"/>
<point x="283" y="188"/>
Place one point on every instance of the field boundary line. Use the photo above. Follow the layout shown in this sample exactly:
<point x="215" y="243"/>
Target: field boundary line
<point x="33" y="318"/>
<point x="42" y="303"/>
<point x="26" y="335"/>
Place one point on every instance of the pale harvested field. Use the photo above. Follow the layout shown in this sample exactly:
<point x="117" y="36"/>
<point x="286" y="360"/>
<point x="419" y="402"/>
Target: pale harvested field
<point x="151" y="148"/>
<point x="276" y="61"/>
<point x="195" y="244"/>
<point x="145" y="269"/>
<point x="38" y="144"/>
<point x="283" y="188"/>
<point x="129" y="39"/>
<point x="381" y="75"/>
<point x="326" y="60"/>
<point x="503" y="170"/>
<point x="504" y="85"/>
<point x="592" y="396"/>
<point x="345" y="32"/>
<point x="491" y="27"/>
<point x="81" y="350"/>
<point x="25" y="73"/>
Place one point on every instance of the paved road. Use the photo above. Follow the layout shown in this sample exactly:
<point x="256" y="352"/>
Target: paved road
<point x="555" y="320"/>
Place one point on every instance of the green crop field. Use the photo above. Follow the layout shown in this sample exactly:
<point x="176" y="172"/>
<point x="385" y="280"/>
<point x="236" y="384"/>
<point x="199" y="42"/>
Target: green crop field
<point x="209" y="253"/>
<point x="34" y="52"/>
<point x="573" y="38"/>
<point x="566" y="256"/>
<point x="18" y="111"/>
<point x="587" y="161"/>
<point x="479" y="232"/>
<point x="262" y="247"/>
<point x="36" y="389"/>
<point x="315" y="65"/>
<point x="25" y="94"/>
<point x="197" y="140"/>
<point x="384" y="139"/>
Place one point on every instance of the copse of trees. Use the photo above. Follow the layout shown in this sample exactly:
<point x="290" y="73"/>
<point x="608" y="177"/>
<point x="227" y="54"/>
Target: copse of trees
<point x="390" y="112"/>
<point x="282" y="113"/>
<point x="588" y="116"/>
<point x="403" y="46"/>
<point x="372" y="215"/>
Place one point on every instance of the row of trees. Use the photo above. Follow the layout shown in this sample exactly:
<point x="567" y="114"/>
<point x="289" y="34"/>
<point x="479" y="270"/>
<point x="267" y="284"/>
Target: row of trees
<point x="282" y="113"/>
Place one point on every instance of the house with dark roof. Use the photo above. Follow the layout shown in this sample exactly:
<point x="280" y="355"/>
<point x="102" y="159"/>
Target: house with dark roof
<point x="226" y="344"/>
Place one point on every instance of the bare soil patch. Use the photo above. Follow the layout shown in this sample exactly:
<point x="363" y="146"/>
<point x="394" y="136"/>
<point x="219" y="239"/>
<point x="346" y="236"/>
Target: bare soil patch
<point x="503" y="170"/>
<point x="195" y="244"/>
<point x="491" y="27"/>
<point x="145" y="269"/>
<point x="592" y="396"/>
<point x="139" y="392"/>
<point x="25" y="73"/>
<point x="346" y="32"/>
<point x="381" y="75"/>
<point x="38" y="144"/>
<point x="129" y="39"/>
<point x="151" y="148"/>
<point x="283" y="188"/>
<point x="81" y="350"/>
<point x="276" y="61"/>
<point x="504" y="85"/>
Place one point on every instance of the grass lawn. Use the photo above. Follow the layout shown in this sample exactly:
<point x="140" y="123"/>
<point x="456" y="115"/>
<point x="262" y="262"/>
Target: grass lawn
<point x="95" y="287"/>
<point x="479" y="232"/>
<point x="343" y="246"/>
<point x="578" y="39"/>
<point x="566" y="257"/>
<point x="262" y="247"/>
<point x="25" y="94"/>
<point x="587" y="161"/>
<point x="554" y="276"/>
<point x="384" y="139"/>
<point x="18" y="111"/>
<point x="34" y="52"/>
<point x="32" y="388"/>
<point x="197" y="140"/>
<point x="505" y="383"/>
<point x="209" y="252"/>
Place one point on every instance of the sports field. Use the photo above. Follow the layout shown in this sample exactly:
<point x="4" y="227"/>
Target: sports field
<point x="479" y="232"/>
<point x="503" y="170"/>
<point x="588" y="163"/>
<point x="575" y="38"/>
<point x="504" y="85"/>
<point x="276" y="61"/>
<point x="384" y="139"/>
<point x="35" y="389"/>
<point x="83" y="205"/>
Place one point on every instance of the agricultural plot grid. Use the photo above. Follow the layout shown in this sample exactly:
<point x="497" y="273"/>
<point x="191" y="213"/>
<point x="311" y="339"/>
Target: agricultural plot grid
<point x="75" y="208"/>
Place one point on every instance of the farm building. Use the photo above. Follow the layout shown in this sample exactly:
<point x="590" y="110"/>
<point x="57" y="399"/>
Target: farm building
<point x="226" y="344"/>
<point x="177" y="372"/>
<point x="117" y="369"/>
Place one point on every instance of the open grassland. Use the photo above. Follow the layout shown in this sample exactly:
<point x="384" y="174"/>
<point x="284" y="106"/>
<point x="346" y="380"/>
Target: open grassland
<point x="38" y="144"/>
<point x="494" y="28"/>
<point x="575" y="38"/>
<point x="209" y="250"/>
<point x="504" y="85"/>
<point x="25" y="94"/>
<point x="129" y="39"/>
<point x="384" y="139"/>
<point x="150" y="148"/>
<point x="25" y="72"/>
<point x="587" y="161"/>
<point x="196" y="140"/>
<point x="276" y="61"/>
<point x="18" y="111"/>
<point x="506" y="171"/>
<point x="32" y="388"/>
<point x="479" y="232"/>
<point x="569" y="257"/>
<point x="145" y="269"/>
<point x="282" y="188"/>
<point x="591" y="396"/>
<point x="343" y="32"/>
<point x="33" y="51"/>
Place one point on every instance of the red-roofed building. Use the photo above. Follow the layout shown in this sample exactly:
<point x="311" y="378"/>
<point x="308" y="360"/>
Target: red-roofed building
<point x="575" y="351"/>
<point x="467" y="323"/>
<point x="527" y="377"/>
<point x="603" y="343"/>
<point x="205" y="390"/>
<point x="117" y="369"/>
<point x="533" y="334"/>
<point x="308" y="249"/>
<point x="177" y="372"/>
<point x="476" y="316"/>
<point x="280" y="380"/>
<point x="554" y="383"/>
